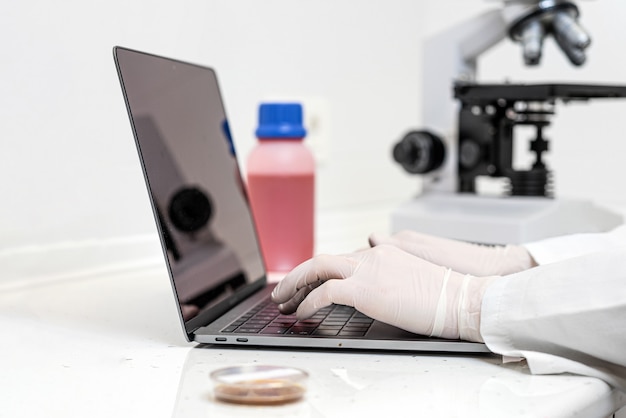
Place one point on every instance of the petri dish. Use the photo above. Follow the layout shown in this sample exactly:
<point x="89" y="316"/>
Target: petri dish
<point x="259" y="384"/>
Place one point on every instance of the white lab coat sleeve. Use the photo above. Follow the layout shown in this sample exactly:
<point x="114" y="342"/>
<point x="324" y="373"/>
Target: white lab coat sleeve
<point x="563" y="317"/>
<point x="555" y="249"/>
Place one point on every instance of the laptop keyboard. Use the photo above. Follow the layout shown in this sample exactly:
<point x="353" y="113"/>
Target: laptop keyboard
<point x="334" y="320"/>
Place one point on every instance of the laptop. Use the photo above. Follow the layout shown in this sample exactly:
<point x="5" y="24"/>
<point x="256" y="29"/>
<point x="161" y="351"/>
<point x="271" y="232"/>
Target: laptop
<point x="206" y="227"/>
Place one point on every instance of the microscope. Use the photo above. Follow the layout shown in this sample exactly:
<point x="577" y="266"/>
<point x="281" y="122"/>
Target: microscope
<point x="470" y="133"/>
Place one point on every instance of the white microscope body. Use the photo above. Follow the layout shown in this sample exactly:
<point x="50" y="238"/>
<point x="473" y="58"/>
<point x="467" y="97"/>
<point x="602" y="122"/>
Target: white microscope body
<point x="449" y="205"/>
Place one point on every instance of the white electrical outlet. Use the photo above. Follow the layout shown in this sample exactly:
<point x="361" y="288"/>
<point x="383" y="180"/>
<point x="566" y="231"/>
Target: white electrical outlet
<point x="317" y="123"/>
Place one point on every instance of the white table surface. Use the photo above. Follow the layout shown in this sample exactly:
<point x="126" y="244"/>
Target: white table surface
<point x="111" y="345"/>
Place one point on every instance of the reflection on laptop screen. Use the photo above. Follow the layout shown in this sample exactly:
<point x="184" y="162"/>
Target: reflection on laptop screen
<point x="196" y="190"/>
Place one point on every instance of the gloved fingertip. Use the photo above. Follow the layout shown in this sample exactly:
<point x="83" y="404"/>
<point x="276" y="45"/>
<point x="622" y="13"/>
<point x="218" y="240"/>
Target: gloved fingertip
<point x="302" y="317"/>
<point x="374" y="239"/>
<point x="284" y="309"/>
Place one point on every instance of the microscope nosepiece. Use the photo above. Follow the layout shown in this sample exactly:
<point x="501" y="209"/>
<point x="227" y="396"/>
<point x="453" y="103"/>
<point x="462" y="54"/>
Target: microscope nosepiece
<point x="556" y="17"/>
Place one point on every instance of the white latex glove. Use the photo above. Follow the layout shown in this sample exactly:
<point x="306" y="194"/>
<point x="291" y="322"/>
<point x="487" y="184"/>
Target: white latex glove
<point x="389" y="285"/>
<point x="464" y="257"/>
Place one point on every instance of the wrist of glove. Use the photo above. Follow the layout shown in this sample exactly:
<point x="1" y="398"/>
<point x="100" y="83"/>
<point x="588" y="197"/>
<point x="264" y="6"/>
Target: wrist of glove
<point x="464" y="257"/>
<point x="389" y="285"/>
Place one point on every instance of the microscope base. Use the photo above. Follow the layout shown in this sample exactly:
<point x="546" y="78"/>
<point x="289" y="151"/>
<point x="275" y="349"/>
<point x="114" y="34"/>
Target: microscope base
<point x="501" y="220"/>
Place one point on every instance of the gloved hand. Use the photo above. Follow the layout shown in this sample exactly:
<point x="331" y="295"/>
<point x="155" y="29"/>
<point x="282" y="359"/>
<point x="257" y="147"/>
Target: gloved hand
<point x="464" y="257"/>
<point x="389" y="285"/>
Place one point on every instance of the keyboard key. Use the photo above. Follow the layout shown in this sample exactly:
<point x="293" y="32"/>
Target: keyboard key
<point x="335" y="327"/>
<point x="274" y="330"/>
<point x="230" y="328"/>
<point x="326" y="332"/>
<point x="256" y="322"/>
<point x="361" y="320"/>
<point x="310" y="321"/>
<point x="299" y="330"/>
<point x="355" y="328"/>
<point x="340" y="323"/>
<point x="248" y="325"/>
<point x="279" y="321"/>
<point x="242" y="330"/>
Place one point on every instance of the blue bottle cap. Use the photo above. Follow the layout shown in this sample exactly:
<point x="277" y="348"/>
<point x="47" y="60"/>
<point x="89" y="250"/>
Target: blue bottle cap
<point x="280" y="120"/>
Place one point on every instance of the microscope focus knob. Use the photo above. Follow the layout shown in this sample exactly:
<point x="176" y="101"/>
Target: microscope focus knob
<point x="419" y="152"/>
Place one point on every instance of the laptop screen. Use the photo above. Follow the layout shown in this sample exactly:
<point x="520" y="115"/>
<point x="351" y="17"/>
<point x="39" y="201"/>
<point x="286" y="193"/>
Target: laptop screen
<point x="197" y="194"/>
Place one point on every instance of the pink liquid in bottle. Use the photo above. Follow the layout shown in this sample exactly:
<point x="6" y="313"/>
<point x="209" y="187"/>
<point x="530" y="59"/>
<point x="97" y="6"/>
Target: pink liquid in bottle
<point x="285" y="225"/>
<point x="281" y="188"/>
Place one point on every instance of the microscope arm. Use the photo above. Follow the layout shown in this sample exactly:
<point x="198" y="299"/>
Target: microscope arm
<point x="449" y="56"/>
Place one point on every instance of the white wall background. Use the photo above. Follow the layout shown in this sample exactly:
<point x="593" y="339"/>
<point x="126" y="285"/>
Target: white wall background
<point x="68" y="167"/>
